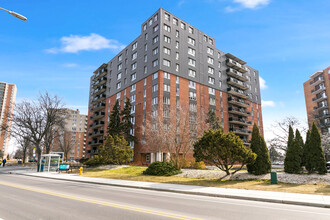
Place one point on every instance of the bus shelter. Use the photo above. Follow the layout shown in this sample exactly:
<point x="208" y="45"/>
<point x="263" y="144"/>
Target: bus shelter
<point x="49" y="162"/>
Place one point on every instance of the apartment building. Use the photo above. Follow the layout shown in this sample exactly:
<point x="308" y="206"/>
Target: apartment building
<point x="173" y="63"/>
<point x="73" y="134"/>
<point x="7" y="104"/>
<point x="317" y="93"/>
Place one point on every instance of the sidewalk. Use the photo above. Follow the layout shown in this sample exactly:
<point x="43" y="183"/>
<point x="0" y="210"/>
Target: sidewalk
<point x="255" y="195"/>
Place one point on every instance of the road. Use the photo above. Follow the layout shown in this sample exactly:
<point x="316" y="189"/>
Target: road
<point x="25" y="197"/>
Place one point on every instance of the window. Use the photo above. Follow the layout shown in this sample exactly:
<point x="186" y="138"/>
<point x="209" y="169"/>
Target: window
<point x="177" y="55"/>
<point x="145" y="27"/>
<point x="211" y="80"/>
<point x="146" y="36"/>
<point x="145" y="70"/>
<point x="210" y="60"/>
<point x="144" y="93"/>
<point x="155" y="88"/>
<point x="210" y="41"/>
<point x="118" y="95"/>
<point x="132" y="110"/>
<point x="219" y="65"/>
<point x="119" y="85"/>
<point x="155" y="51"/>
<point x="210" y="70"/>
<point x="134" y="66"/>
<point x="167" y="28"/>
<point x="192" y="96"/>
<point x="155" y="100"/>
<point x="191" y="62"/>
<point x="120" y="66"/>
<point x="192" y="107"/>
<point x="125" y="81"/>
<point x="211" y="91"/>
<point x="133" y="98"/>
<point x="192" y="84"/>
<point x="210" y="50"/>
<point x="156" y="17"/>
<point x="220" y="74"/>
<point x="155" y="40"/>
<point x="177" y="34"/>
<point x="205" y="38"/>
<point x="134" y="46"/>
<point x="177" y="45"/>
<point x="192" y="73"/>
<point x="133" y="77"/>
<point x="120" y="57"/>
<point x="177" y="91"/>
<point x="145" y="82"/>
<point x="118" y="76"/>
<point x="155" y="63"/>
<point x="166" y="88"/>
<point x="166" y="63"/>
<point x="191" y="30"/>
<point x="156" y="28"/>
<point x="167" y="75"/>
<point x="167" y="17"/>
<point x="191" y="41"/>
<point x="150" y="22"/>
<point x="191" y="51"/>
<point x="155" y="75"/>
<point x="175" y="21"/>
<point x="145" y="58"/>
<point x="177" y="67"/>
<point x="166" y="100"/>
<point x="167" y="39"/>
<point x="134" y="56"/>
<point x="177" y="80"/>
<point x="133" y="87"/>
<point x="145" y="47"/>
<point x="167" y="51"/>
<point x="212" y="101"/>
<point x="183" y="26"/>
<point x="220" y="84"/>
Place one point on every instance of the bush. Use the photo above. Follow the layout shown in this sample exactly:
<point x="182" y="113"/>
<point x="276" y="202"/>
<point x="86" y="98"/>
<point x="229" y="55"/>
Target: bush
<point x="161" y="169"/>
<point x="186" y="163"/>
<point x="199" y="165"/>
<point x="93" y="162"/>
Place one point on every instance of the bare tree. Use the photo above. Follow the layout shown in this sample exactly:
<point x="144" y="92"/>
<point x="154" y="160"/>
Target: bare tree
<point x="174" y="132"/>
<point x="24" y="146"/>
<point x="34" y="119"/>
<point x="281" y="131"/>
<point x="326" y="143"/>
<point x="65" y="144"/>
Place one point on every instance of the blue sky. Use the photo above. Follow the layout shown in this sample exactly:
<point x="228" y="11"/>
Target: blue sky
<point x="63" y="41"/>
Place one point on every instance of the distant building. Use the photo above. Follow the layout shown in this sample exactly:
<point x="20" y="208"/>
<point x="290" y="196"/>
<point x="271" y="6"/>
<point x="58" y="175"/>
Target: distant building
<point x="7" y="103"/>
<point x="74" y="133"/>
<point x="171" y="64"/>
<point x="317" y="98"/>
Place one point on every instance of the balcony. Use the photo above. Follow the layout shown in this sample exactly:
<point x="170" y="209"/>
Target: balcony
<point x="236" y="74"/>
<point x="97" y="115"/>
<point x="95" y="142"/>
<point x="96" y="134"/>
<point x="319" y="99"/>
<point x="237" y="92"/>
<point x="239" y="121"/>
<point x="96" y="124"/>
<point x="99" y="98"/>
<point x="322" y="116"/>
<point x="240" y="131"/>
<point x="318" y="80"/>
<point x="98" y="107"/>
<point x="237" y="66"/>
<point x="318" y="90"/>
<point x="238" y="111"/>
<point x="236" y="83"/>
<point x="230" y="56"/>
<point x="100" y="74"/>
<point x="238" y="102"/>
<point x="99" y="90"/>
<point x="99" y="82"/>
<point x="321" y="107"/>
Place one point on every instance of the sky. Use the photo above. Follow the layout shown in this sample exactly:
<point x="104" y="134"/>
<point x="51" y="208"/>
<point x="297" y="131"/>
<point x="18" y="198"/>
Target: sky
<point x="64" y="41"/>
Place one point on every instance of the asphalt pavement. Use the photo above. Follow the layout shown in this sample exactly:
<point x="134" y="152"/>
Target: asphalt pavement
<point x="24" y="197"/>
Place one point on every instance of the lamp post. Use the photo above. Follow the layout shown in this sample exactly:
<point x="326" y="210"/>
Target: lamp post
<point x="15" y="14"/>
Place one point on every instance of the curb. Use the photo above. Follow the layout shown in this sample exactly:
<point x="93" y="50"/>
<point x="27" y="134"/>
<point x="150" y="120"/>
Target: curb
<point x="319" y="205"/>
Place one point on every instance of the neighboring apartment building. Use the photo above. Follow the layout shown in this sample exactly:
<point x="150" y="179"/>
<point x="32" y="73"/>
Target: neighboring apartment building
<point x="74" y="134"/>
<point x="7" y="104"/>
<point x="317" y="98"/>
<point x="172" y="63"/>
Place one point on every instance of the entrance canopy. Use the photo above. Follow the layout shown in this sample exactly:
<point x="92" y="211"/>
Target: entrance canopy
<point x="49" y="162"/>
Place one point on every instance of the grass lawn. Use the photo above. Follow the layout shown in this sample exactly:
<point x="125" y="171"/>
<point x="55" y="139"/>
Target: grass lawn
<point x="135" y="173"/>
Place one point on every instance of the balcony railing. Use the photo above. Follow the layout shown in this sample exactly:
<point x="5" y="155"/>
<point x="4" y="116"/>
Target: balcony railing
<point x="238" y="102"/>
<point x="98" y="107"/>
<point x="318" y="99"/>
<point x="237" y="83"/>
<point x="96" y="124"/>
<point x="239" y="121"/>
<point x="318" y="90"/>
<point x="238" y="111"/>
<point x="237" y="92"/>
<point x="236" y="74"/>
<point x="240" y="131"/>
<point x="101" y="81"/>
<point x="317" y="81"/>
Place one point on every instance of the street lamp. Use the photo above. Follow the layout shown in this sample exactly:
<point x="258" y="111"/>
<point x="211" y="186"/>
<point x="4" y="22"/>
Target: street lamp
<point x="15" y="14"/>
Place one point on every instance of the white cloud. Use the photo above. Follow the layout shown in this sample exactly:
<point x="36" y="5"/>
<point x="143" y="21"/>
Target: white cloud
<point x="262" y="83"/>
<point x="76" y="43"/>
<point x="252" y="4"/>
<point x="268" y="103"/>
<point x="70" y="65"/>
